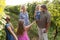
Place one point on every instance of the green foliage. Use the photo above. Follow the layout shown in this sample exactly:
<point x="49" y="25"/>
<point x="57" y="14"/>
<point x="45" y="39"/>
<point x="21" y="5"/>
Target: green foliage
<point x="54" y="9"/>
<point x="13" y="9"/>
<point x="31" y="10"/>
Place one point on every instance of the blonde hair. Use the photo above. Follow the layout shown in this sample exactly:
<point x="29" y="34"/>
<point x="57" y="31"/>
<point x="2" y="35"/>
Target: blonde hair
<point x="37" y="7"/>
<point x="23" y="6"/>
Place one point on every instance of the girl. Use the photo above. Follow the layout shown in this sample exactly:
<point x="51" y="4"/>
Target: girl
<point x="22" y="31"/>
<point x="10" y="35"/>
<point x="24" y="15"/>
<point x="37" y="14"/>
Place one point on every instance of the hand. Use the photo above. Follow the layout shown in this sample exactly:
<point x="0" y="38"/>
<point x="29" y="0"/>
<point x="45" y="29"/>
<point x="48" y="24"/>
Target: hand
<point x="33" y="22"/>
<point x="45" y="31"/>
<point x="16" y="38"/>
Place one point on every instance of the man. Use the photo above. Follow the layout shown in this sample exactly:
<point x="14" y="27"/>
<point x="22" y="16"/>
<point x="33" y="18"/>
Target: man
<point x="43" y="23"/>
<point x="24" y="15"/>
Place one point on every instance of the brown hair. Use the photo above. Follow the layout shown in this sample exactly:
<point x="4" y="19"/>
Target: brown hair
<point x="7" y="19"/>
<point x="20" y="29"/>
<point x="44" y="6"/>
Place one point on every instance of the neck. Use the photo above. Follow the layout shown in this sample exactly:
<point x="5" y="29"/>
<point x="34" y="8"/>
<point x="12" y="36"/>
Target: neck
<point x="7" y="22"/>
<point x="24" y="11"/>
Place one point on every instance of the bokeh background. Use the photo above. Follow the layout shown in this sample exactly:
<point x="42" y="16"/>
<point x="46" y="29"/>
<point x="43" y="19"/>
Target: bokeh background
<point x="13" y="11"/>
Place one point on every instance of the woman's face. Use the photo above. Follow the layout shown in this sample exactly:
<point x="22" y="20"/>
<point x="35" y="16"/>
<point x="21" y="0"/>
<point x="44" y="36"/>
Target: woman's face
<point x="24" y="9"/>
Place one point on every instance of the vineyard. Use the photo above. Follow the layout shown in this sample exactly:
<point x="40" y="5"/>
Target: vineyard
<point x="13" y="12"/>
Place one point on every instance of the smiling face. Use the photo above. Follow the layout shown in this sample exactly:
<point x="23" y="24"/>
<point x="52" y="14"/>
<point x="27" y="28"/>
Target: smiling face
<point x="43" y="8"/>
<point x="38" y="7"/>
<point x="23" y="8"/>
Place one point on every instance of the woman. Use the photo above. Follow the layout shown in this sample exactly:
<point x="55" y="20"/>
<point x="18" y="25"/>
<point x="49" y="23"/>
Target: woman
<point x="24" y="15"/>
<point x="10" y="35"/>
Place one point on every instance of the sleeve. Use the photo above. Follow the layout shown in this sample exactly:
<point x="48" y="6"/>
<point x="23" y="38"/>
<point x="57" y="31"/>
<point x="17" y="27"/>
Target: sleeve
<point x="7" y="25"/>
<point x="20" y="16"/>
<point x="11" y="26"/>
<point x="48" y="18"/>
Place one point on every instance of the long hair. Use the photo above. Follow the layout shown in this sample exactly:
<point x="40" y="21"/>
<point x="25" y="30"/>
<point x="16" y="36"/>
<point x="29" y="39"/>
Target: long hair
<point x="37" y="7"/>
<point x="22" y="7"/>
<point x="20" y="29"/>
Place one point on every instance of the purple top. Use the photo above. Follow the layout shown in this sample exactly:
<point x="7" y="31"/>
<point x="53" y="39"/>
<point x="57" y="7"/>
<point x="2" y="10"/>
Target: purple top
<point x="24" y="36"/>
<point x="24" y="17"/>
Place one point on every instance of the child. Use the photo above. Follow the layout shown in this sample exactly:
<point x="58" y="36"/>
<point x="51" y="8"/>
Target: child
<point x="22" y="31"/>
<point x="24" y="15"/>
<point x="10" y="35"/>
<point x="37" y="14"/>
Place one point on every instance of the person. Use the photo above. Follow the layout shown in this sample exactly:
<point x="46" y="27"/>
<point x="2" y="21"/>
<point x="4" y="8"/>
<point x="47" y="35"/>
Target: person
<point x="37" y="13"/>
<point x="22" y="30"/>
<point x="10" y="35"/>
<point x="43" y="23"/>
<point x="24" y="15"/>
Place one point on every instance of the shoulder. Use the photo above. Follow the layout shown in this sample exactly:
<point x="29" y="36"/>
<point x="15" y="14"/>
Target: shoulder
<point x="48" y="13"/>
<point x="7" y="25"/>
<point x="26" y="12"/>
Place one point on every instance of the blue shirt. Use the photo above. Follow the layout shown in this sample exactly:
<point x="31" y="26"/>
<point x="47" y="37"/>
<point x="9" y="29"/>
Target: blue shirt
<point x="37" y="16"/>
<point x="24" y="17"/>
<point x="9" y="36"/>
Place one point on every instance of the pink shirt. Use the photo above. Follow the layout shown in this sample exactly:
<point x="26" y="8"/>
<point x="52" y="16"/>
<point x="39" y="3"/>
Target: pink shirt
<point x="24" y="36"/>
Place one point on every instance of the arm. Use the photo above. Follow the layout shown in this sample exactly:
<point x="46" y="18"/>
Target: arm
<point x="34" y="14"/>
<point x="12" y="26"/>
<point x="20" y="16"/>
<point x="47" y="25"/>
<point x="27" y="27"/>
<point x="48" y="21"/>
<point x="10" y="30"/>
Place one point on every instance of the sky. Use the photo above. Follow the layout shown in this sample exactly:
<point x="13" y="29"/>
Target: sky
<point x="20" y="2"/>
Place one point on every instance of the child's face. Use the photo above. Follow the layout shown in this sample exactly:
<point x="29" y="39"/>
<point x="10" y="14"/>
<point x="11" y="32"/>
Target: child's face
<point x="38" y="8"/>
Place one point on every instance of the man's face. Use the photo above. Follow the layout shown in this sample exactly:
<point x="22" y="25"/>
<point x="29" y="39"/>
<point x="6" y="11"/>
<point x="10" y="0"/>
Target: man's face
<point x="42" y="9"/>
